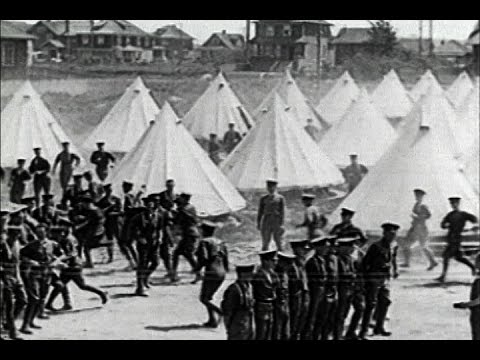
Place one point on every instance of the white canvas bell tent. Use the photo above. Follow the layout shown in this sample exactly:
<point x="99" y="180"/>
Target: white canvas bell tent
<point x="215" y="110"/>
<point x="126" y="122"/>
<point x="168" y="151"/>
<point x="472" y="167"/>
<point x="363" y="130"/>
<point x="339" y="99"/>
<point x="468" y="120"/>
<point x="278" y="147"/>
<point x="460" y="89"/>
<point x="427" y="83"/>
<point x="420" y="158"/>
<point x="392" y="98"/>
<point x="26" y="123"/>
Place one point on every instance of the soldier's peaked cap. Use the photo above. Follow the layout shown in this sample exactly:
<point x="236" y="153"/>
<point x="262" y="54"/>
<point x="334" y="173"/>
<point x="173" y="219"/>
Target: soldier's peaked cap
<point x="321" y="240"/>
<point x="21" y="159"/>
<point x="245" y="268"/>
<point x="307" y="196"/>
<point x="86" y="199"/>
<point x="272" y="182"/>
<point x="28" y="200"/>
<point x="390" y="226"/>
<point x="37" y="148"/>
<point x="47" y="196"/>
<point x="186" y="196"/>
<point x="348" y="211"/>
<point x="455" y="198"/>
<point x="286" y="256"/>
<point x="66" y="143"/>
<point x="420" y="191"/>
<point x="127" y="183"/>
<point x="208" y="225"/>
<point x="78" y="176"/>
<point x="107" y="186"/>
<point x="100" y="142"/>
<point x="347" y="240"/>
<point x="299" y="243"/>
<point x="267" y="255"/>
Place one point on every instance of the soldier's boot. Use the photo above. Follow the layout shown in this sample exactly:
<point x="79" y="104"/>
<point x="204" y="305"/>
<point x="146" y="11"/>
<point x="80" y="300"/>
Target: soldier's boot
<point x="198" y="278"/>
<point x="380" y="325"/>
<point x="51" y="299"/>
<point x="67" y="299"/>
<point x="140" y="287"/>
<point x="110" y="254"/>
<point x="13" y="335"/>
<point x="431" y="259"/>
<point x="212" y="321"/>
<point x="19" y="308"/>
<point x="41" y="311"/>
<point x="88" y="259"/>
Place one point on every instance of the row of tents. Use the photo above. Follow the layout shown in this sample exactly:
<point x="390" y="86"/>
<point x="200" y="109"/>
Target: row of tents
<point x="426" y="138"/>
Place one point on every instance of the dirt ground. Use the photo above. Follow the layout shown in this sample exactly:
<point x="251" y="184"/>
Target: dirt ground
<point x="421" y="310"/>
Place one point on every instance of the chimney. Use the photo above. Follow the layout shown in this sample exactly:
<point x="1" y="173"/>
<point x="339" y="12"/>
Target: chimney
<point x="224" y="32"/>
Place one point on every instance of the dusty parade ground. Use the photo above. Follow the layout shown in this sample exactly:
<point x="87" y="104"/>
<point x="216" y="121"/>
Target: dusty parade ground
<point x="422" y="309"/>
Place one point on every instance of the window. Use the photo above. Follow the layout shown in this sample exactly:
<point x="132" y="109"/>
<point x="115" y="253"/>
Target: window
<point x="133" y="41"/>
<point x="287" y="30"/>
<point x="278" y="30"/>
<point x="119" y="40"/>
<point x="85" y="39"/>
<point x="100" y="40"/>
<point x="270" y="31"/>
<point x="8" y="54"/>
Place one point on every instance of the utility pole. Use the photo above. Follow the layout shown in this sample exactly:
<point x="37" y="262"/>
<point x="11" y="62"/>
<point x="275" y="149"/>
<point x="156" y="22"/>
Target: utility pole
<point x="432" y="46"/>
<point x="67" y="39"/>
<point x="247" y="41"/>
<point x="420" y="40"/>
<point x="319" y="51"/>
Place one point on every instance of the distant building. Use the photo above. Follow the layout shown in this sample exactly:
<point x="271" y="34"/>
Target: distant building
<point x="223" y="47"/>
<point x="279" y="43"/>
<point x="474" y="42"/>
<point x="171" y="42"/>
<point x="349" y="42"/>
<point x="16" y="49"/>
<point x="413" y="45"/>
<point x="451" y="50"/>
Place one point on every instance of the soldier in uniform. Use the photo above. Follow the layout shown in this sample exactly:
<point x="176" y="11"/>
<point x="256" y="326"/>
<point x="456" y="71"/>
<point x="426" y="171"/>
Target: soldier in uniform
<point x="346" y="283"/>
<point x="167" y="201"/>
<point x="419" y="231"/>
<point x="271" y="216"/>
<point x="186" y="219"/>
<point x="18" y="177"/>
<point x="68" y="161"/>
<point x="214" y="149"/>
<point x="111" y="206"/>
<point x="264" y="292"/>
<point x="40" y="169"/>
<point x="378" y="265"/>
<point x="46" y="213"/>
<point x="314" y="220"/>
<point x="346" y="228"/>
<point x="102" y="159"/>
<point x="316" y="268"/>
<point x="238" y="305"/>
<point x="354" y="173"/>
<point x="231" y="138"/>
<point x="281" y="326"/>
<point x="74" y="192"/>
<point x="212" y="255"/>
<point x="94" y="189"/>
<point x="146" y="230"/>
<point x="455" y="222"/>
<point x="299" y="298"/>
<point x="129" y="205"/>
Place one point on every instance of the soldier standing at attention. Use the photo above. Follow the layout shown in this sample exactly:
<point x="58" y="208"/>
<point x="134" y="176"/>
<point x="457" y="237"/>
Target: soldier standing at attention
<point x="264" y="292"/>
<point x="231" y="139"/>
<point x="40" y="169"/>
<point x="328" y="307"/>
<point x="314" y="220"/>
<point x="102" y="159"/>
<point x="378" y="265"/>
<point x="186" y="218"/>
<point x="18" y="177"/>
<point x="354" y="173"/>
<point x="238" y="305"/>
<point x="68" y="162"/>
<point x="455" y="222"/>
<point x="271" y="217"/>
<point x="474" y="303"/>
<point x="299" y="291"/>
<point x="146" y="230"/>
<point x="212" y="255"/>
<point x="419" y="231"/>
<point x="111" y="206"/>
<point x="281" y="328"/>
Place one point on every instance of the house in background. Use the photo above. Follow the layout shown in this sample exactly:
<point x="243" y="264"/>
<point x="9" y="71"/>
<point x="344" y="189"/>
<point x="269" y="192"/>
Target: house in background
<point x="16" y="49"/>
<point x="280" y="43"/>
<point x="223" y="47"/>
<point x="171" y="42"/>
<point x="412" y="45"/>
<point x="451" y="50"/>
<point x="474" y="42"/>
<point x="349" y="42"/>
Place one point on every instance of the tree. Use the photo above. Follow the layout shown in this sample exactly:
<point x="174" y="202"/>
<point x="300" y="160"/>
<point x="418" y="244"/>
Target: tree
<point x="383" y="37"/>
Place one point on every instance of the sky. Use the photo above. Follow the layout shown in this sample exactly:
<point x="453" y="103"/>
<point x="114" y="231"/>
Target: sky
<point x="202" y="29"/>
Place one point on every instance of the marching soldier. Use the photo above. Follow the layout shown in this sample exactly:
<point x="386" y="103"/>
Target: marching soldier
<point x="299" y="291"/>
<point x="419" y="231"/>
<point x="146" y="230"/>
<point x="314" y="220"/>
<point x="18" y="177"/>
<point x="212" y="255"/>
<point x="455" y="222"/>
<point x="111" y="206"/>
<point x="271" y="216"/>
<point x="378" y="265"/>
<point x="264" y="292"/>
<point x="46" y="213"/>
<point x="102" y="159"/>
<point x="354" y="173"/>
<point x="238" y="305"/>
<point x="281" y="305"/>
<point x="186" y="219"/>
<point x="40" y="169"/>
<point x="316" y="268"/>
<point x="68" y="161"/>
<point x="74" y="192"/>
<point x="94" y="189"/>
<point x="231" y="138"/>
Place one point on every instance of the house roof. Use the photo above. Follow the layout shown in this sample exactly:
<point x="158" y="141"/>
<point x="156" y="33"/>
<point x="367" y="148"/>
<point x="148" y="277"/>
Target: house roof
<point x="352" y="36"/>
<point x="58" y="27"/>
<point x="120" y="27"/>
<point x="451" y="48"/>
<point x="54" y="43"/>
<point x="227" y="39"/>
<point x="172" y="32"/>
<point x="319" y="22"/>
<point x="474" y="38"/>
<point x="12" y="30"/>
<point x="411" y="44"/>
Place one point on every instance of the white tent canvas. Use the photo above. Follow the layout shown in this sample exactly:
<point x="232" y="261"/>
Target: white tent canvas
<point x="468" y="119"/>
<point x="278" y="147"/>
<point x="339" y="99"/>
<point x="420" y="158"/>
<point x="460" y="89"/>
<point x="26" y="123"/>
<point x="472" y="168"/>
<point x="427" y="83"/>
<point x="168" y="151"/>
<point x="215" y="110"/>
<point x="127" y="121"/>
<point x="363" y="130"/>
<point x="391" y="97"/>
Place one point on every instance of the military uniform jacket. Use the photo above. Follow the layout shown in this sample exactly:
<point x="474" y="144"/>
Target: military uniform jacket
<point x="72" y="196"/>
<point x="95" y="223"/>
<point x="101" y="159"/>
<point x="298" y="279"/>
<point x="212" y="254"/>
<point x="346" y="271"/>
<point x="331" y="262"/>
<point x="348" y="230"/>
<point x="271" y="207"/>
<point x="47" y="215"/>
<point x="316" y="268"/>
<point x="9" y="257"/>
<point x="314" y="221"/>
<point x="237" y="307"/>
<point x="231" y="139"/>
<point x="42" y="252"/>
<point x="18" y="177"/>
<point x="378" y="261"/>
<point x="146" y="227"/>
<point x="94" y="190"/>
<point x="110" y="205"/>
<point x="67" y="160"/>
<point x="455" y="222"/>
<point x="167" y="200"/>
<point x="355" y="173"/>
<point x="422" y="213"/>
<point x="283" y="291"/>
<point x="186" y="219"/>
<point x="39" y="164"/>
<point x="264" y="286"/>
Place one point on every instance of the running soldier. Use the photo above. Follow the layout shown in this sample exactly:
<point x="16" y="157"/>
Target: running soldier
<point x="111" y="207"/>
<point x="102" y="159"/>
<point x="68" y="162"/>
